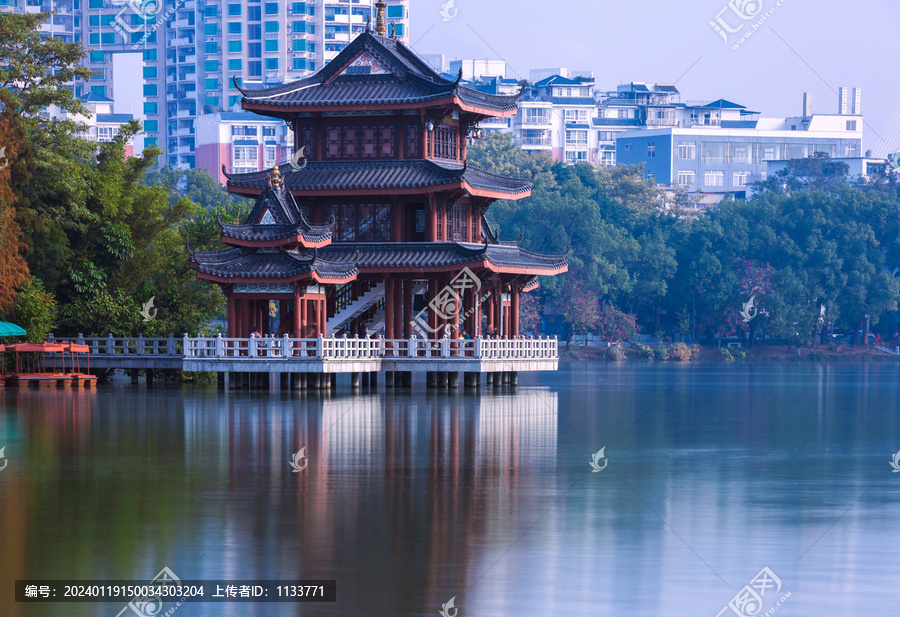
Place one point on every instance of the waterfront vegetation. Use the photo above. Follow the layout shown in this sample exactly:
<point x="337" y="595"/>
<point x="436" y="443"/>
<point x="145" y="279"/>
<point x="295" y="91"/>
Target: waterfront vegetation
<point x="88" y="234"/>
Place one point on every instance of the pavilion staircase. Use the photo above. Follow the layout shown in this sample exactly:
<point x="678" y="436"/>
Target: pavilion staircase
<point x="350" y="303"/>
<point x="376" y="322"/>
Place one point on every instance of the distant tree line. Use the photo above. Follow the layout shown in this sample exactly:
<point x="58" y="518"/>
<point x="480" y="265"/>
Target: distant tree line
<point x="809" y="248"/>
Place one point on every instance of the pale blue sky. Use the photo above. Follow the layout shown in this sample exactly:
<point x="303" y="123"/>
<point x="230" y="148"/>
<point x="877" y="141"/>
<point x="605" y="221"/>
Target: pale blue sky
<point x="826" y="44"/>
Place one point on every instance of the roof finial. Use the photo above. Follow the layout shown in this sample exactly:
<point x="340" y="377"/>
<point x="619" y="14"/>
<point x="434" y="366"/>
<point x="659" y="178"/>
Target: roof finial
<point x="380" y="27"/>
<point x="276" y="176"/>
<point x="369" y="23"/>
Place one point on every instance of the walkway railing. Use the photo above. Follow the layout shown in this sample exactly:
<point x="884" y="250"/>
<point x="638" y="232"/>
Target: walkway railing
<point x="338" y="348"/>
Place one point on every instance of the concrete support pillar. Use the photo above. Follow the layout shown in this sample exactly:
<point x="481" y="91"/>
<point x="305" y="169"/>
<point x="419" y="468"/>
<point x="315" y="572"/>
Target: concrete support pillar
<point x="506" y="377"/>
<point x="513" y="378"/>
<point x="221" y="381"/>
<point x="364" y="378"/>
<point x="295" y="381"/>
<point x="470" y="379"/>
<point x="373" y="381"/>
<point x="389" y="379"/>
<point x="430" y="379"/>
<point x="407" y="379"/>
<point x="441" y="379"/>
<point x="284" y="381"/>
<point x="452" y="380"/>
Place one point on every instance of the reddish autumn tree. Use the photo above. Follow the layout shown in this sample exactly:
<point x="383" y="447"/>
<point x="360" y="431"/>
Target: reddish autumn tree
<point x="13" y="268"/>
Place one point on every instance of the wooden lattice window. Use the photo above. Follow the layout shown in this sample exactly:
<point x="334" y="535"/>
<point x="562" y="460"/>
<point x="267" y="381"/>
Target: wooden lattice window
<point x="445" y="142"/>
<point x="306" y="138"/>
<point x="413" y="141"/>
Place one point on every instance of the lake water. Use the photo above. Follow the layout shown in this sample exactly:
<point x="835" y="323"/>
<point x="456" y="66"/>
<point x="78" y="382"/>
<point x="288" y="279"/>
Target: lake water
<point x="712" y="473"/>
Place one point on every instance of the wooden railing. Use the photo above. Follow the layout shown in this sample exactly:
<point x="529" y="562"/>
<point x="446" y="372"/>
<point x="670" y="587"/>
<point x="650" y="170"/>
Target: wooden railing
<point x="337" y="348"/>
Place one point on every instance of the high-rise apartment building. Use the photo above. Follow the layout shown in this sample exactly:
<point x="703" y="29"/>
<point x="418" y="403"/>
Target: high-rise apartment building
<point x="192" y="50"/>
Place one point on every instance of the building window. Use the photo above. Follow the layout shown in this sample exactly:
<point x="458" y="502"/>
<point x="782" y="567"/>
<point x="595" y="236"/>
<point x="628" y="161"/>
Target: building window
<point x="624" y="113"/>
<point x="235" y="64"/>
<point x="272" y="45"/>
<point x="687" y="150"/>
<point x="212" y="101"/>
<point x="254" y="50"/>
<point x="395" y="11"/>
<point x="851" y="151"/>
<point x="271" y="64"/>
<point x="742" y="153"/>
<point x="298" y="8"/>
<point x="271" y="26"/>
<point x="211" y="47"/>
<point x="254" y="68"/>
<point x="211" y="10"/>
<point x="150" y="89"/>
<point x="536" y="115"/>
<point x="151" y="108"/>
<point x="254" y="13"/>
<point x="576" y="116"/>
<point x="271" y="8"/>
<point x="715" y="152"/>
<point x="606" y="136"/>
<point x="234" y="27"/>
<point x="211" y="29"/>
<point x="714" y="178"/>
<point x="851" y="125"/>
<point x="151" y="126"/>
<point x="234" y="46"/>
<point x="740" y="178"/>
<point x="651" y="150"/>
<point x="149" y="55"/>
<point x="268" y="131"/>
<point x="299" y="64"/>
<point x="254" y="32"/>
<point x="771" y="152"/>
<point x="576" y="139"/>
<point x="686" y="177"/>
<point x="211" y="84"/>
<point x="361" y="222"/>
<point x="608" y="157"/>
<point x="627" y="147"/>
<point x="827" y="149"/>
<point x="211" y="66"/>
<point x="445" y="142"/>
<point x="234" y="10"/>
<point x="269" y="153"/>
<point x="298" y="27"/>
<point x="798" y="151"/>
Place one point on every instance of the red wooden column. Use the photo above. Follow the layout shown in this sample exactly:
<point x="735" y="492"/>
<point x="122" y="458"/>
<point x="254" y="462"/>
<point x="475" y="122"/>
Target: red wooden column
<point x="432" y="218"/>
<point x="398" y="308"/>
<point x="397" y="235"/>
<point x="323" y="327"/>
<point x="432" y="317"/>
<point x="245" y="319"/>
<point x="407" y="308"/>
<point x="491" y="311"/>
<point x="514" y="310"/>
<point x="389" y="308"/>
<point x="232" y="316"/>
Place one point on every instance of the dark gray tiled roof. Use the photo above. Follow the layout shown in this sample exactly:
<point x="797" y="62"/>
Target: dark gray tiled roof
<point x="436" y="254"/>
<point x="343" y="260"/>
<point x="380" y="174"/>
<point x="411" y="81"/>
<point x="289" y="221"/>
<point x="247" y="263"/>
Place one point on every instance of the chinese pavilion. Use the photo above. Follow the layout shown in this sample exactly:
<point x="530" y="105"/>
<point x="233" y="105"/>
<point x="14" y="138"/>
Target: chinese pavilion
<point x="375" y="226"/>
